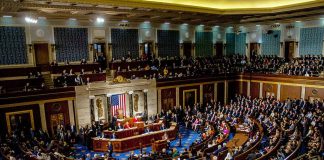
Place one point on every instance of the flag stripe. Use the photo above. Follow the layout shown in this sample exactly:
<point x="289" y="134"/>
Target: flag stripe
<point x="118" y="102"/>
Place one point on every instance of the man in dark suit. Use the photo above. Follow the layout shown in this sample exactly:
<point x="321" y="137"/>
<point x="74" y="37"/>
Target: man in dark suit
<point x="110" y="149"/>
<point x="162" y="127"/>
<point x="147" y="130"/>
<point x="113" y="136"/>
<point x="119" y="126"/>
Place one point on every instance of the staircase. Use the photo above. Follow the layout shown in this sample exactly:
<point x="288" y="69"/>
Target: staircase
<point x="48" y="80"/>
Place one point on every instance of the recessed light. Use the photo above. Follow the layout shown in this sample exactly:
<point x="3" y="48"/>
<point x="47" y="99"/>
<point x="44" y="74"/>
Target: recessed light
<point x="216" y="26"/>
<point x="185" y="24"/>
<point x="147" y="22"/>
<point x="100" y="20"/>
<point x="297" y="21"/>
<point x="73" y="19"/>
<point x="257" y="25"/>
<point x="30" y="20"/>
<point x="201" y="25"/>
<point x="230" y="27"/>
<point x="124" y="21"/>
<point x="6" y="16"/>
<point x="322" y="18"/>
<point x="277" y="23"/>
<point x="166" y="22"/>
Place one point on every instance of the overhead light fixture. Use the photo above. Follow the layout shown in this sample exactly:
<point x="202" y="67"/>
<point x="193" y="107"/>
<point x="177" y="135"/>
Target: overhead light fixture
<point x="43" y="18"/>
<point x="147" y="22"/>
<point x="257" y="25"/>
<point x="201" y="25"/>
<point x="72" y="19"/>
<point x="100" y="20"/>
<point x="277" y="23"/>
<point x="7" y="16"/>
<point x="185" y="24"/>
<point x="124" y="21"/>
<point x="216" y="26"/>
<point x="166" y="22"/>
<point x="322" y="18"/>
<point x="230" y="27"/>
<point x="31" y="20"/>
<point x="297" y="21"/>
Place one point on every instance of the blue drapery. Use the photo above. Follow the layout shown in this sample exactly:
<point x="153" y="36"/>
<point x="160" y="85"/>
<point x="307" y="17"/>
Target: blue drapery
<point x="168" y="43"/>
<point x="124" y="40"/>
<point x="13" y="45"/>
<point x="311" y="41"/>
<point x="230" y="43"/>
<point x="204" y="43"/>
<point x="71" y="44"/>
<point x="271" y="43"/>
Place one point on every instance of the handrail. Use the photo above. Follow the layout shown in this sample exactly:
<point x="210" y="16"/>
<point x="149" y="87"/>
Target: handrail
<point x="275" y="148"/>
<point x="293" y="154"/>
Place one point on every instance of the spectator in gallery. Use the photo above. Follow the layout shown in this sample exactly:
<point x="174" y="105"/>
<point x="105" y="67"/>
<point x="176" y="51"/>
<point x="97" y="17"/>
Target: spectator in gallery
<point x="100" y="70"/>
<point x="66" y="62"/>
<point x="113" y="135"/>
<point x="162" y="126"/>
<point x="78" y="80"/>
<point x="82" y="72"/>
<point x="147" y="130"/>
<point x="39" y="75"/>
<point x="83" y="61"/>
<point x="31" y="75"/>
<point x="71" y="73"/>
<point x="165" y="72"/>
<point x="129" y="55"/>
<point x="64" y="73"/>
<point x="54" y="63"/>
<point x="43" y="86"/>
<point x="27" y="87"/>
<point x="88" y="80"/>
<point x="119" y="127"/>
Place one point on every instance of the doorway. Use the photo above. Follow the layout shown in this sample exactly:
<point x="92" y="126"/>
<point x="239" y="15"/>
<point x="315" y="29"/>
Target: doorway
<point x="219" y="49"/>
<point x="56" y="120"/>
<point x="254" y="50"/>
<point x="41" y="54"/>
<point x="148" y="50"/>
<point x="187" y="49"/>
<point x="289" y="50"/>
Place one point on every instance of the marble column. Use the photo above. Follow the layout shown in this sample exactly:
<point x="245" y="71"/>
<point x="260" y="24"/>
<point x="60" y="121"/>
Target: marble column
<point x="43" y="116"/>
<point x="130" y="95"/>
<point x="145" y="103"/>
<point x="71" y="112"/>
<point x="92" y="116"/>
<point x="109" y="108"/>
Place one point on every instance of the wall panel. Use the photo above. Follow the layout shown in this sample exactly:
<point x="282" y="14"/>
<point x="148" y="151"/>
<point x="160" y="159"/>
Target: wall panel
<point x="311" y="92"/>
<point x="187" y="89"/>
<point x="208" y="92"/>
<point x="290" y="91"/>
<point x="168" y="98"/>
<point x="254" y="89"/>
<point x="269" y="89"/>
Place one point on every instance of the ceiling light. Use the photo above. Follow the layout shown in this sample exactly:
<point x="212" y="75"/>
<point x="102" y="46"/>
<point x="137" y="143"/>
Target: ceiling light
<point x="124" y="21"/>
<point x="147" y="22"/>
<point x="30" y="20"/>
<point x="297" y="21"/>
<point x="201" y="25"/>
<point x="230" y="27"/>
<point x="73" y="19"/>
<point x="322" y="18"/>
<point x="277" y="23"/>
<point x="257" y="25"/>
<point x="42" y="18"/>
<point x="100" y="20"/>
<point x="6" y="16"/>
<point x="216" y="26"/>
<point x="185" y="24"/>
<point x="166" y="22"/>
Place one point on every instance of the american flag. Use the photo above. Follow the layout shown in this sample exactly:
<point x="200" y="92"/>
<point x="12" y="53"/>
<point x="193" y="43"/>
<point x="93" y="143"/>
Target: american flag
<point x="118" y="102"/>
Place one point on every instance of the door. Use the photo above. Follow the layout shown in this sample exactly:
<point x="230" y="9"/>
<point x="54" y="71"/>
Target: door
<point x="187" y="49"/>
<point x="219" y="49"/>
<point x="148" y="49"/>
<point x="41" y="54"/>
<point x="289" y="50"/>
<point x="56" y="120"/>
<point x="254" y="50"/>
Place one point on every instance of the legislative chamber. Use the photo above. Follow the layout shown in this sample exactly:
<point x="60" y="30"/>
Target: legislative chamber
<point x="161" y="80"/>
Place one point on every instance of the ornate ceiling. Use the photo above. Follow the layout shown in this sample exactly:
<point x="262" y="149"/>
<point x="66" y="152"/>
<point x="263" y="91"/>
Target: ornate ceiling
<point x="208" y="12"/>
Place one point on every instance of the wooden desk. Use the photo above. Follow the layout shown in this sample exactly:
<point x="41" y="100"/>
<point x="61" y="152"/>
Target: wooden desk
<point x="131" y="143"/>
<point x="157" y="146"/>
<point x="132" y="131"/>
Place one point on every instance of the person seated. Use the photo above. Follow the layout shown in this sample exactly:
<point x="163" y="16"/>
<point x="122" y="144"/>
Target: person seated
<point x="83" y="61"/>
<point x="147" y="130"/>
<point x="78" y="80"/>
<point x="113" y="136"/>
<point x="39" y="75"/>
<point x="66" y="62"/>
<point x="31" y="75"/>
<point x="54" y="63"/>
<point x="119" y="127"/>
<point x="127" y="126"/>
<point x="71" y="72"/>
<point x="82" y="72"/>
<point x="163" y="127"/>
<point x="64" y="73"/>
<point x="135" y="119"/>
<point x="165" y="136"/>
<point x="100" y="70"/>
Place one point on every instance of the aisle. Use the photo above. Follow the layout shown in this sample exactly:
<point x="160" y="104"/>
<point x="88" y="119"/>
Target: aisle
<point x="188" y="135"/>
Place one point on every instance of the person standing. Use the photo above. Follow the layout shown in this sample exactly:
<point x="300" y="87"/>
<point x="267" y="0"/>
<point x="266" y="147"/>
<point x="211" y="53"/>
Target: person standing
<point x="110" y="149"/>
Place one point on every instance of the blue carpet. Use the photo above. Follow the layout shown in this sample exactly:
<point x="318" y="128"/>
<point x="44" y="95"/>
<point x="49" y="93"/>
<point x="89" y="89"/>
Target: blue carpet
<point x="189" y="136"/>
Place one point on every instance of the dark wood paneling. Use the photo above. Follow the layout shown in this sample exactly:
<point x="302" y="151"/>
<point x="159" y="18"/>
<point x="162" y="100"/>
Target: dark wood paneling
<point x="244" y="88"/>
<point x="168" y="98"/>
<point x="290" y="91"/>
<point x="3" y="111"/>
<point x="220" y="92"/>
<point x="314" y="92"/>
<point x="41" y="53"/>
<point x="233" y="89"/>
<point x="208" y="92"/>
<point x="254" y="89"/>
<point x="56" y="108"/>
<point x="181" y="89"/>
<point x="269" y="88"/>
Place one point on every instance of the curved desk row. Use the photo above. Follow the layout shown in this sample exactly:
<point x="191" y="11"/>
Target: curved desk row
<point x="134" y="142"/>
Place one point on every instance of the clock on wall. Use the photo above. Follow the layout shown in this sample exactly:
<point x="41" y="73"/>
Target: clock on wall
<point x="40" y="33"/>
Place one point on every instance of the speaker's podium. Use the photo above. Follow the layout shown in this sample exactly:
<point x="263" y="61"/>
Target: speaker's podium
<point x="158" y="145"/>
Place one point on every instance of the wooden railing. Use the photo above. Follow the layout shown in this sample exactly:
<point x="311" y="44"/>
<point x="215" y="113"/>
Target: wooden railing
<point x="255" y="146"/>
<point x="295" y="152"/>
<point x="274" y="149"/>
